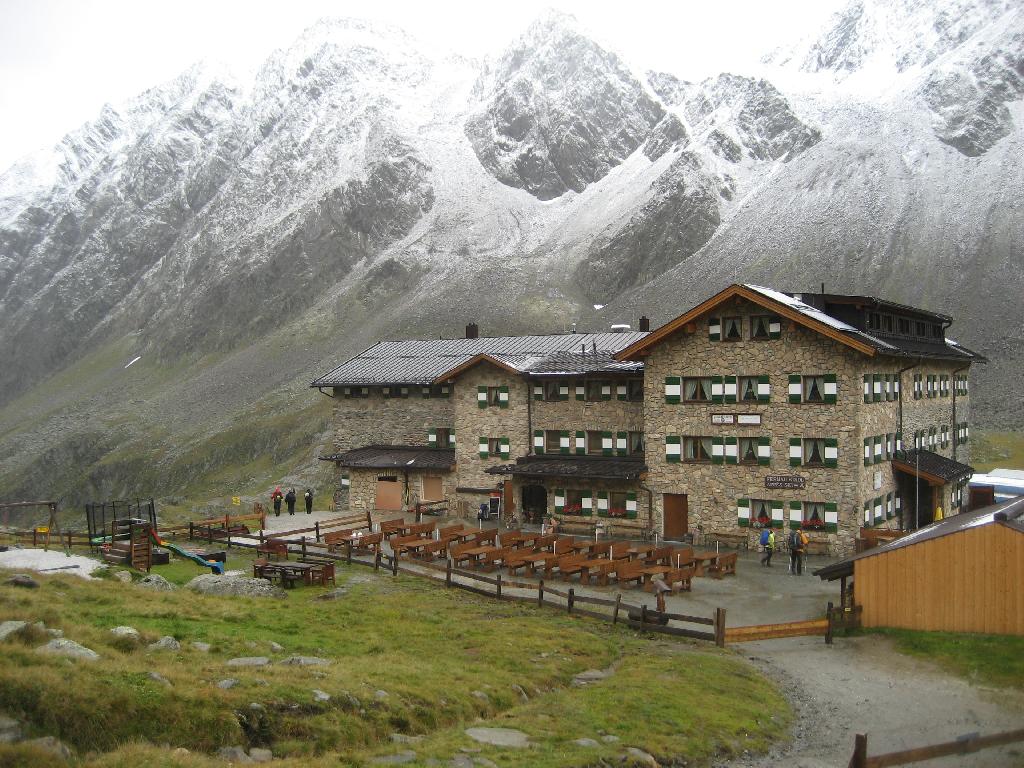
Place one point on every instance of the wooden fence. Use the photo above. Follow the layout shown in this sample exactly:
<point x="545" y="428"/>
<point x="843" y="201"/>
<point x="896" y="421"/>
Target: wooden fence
<point x="38" y="538"/>
<point x="834" y="619"/>
<point x="961" y="746"/>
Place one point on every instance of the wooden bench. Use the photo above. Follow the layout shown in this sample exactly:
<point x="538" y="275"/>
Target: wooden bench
<point x="680" y="579"/>
<point x="326" y="571"/>
<point x="736" y="540"/>
<point x="725" y="565"/>
<point x="392" y="527"/>
<point x="273" y="548"/>
<point x="335" y="539"/>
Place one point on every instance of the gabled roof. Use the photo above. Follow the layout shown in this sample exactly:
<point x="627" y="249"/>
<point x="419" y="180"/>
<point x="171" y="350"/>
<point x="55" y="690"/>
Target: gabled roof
<point x="810" y="317"/>
<point x="425" y="362"/>
<point x="1009" y="514"/>
<point x="395" y="457"/>
<point x="588" y="467"/>
<point x="933" y="467"/>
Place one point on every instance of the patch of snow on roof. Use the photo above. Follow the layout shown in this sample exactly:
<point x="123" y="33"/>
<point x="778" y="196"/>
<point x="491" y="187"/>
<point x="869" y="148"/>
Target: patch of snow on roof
<point x="804" y="309"/>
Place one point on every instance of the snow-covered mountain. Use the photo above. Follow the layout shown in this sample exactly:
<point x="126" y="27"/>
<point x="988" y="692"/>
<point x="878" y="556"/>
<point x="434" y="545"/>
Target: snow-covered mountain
<point x="241" y="236"/>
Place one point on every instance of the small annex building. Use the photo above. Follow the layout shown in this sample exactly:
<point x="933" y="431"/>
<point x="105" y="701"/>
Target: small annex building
<point x="959" y="574"/>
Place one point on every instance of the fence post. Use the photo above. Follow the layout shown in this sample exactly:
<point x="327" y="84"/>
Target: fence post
<point x="720" y="627"/>
<point x="499" y="587"/>
<point x="540" y="594"/>
<point x="860" y="751"/>
<point x="448" y="572"/>
<point x="303" y="547"/>
<point x="618" y="601"/>
<point x="376" y="561"/>
<point x="571" y="600"/>
<point x="348" y="552"/>
<point x="828" y="632"/>
<point x="317" y="526"/>
<point x="643" y="615"/>
<point x="394" y="564"/>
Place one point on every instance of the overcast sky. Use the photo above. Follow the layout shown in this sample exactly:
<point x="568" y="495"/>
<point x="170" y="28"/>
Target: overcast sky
<point x="61" y="60"/>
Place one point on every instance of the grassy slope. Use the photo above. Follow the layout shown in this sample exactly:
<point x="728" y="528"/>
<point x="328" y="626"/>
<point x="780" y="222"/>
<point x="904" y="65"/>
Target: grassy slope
<point x="430" y="649"/>
<point x="996" y="660"/>
<point x="993" y="450"/>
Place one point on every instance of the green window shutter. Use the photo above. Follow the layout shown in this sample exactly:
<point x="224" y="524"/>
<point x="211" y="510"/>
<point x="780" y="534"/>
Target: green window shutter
<point x="620" y="391"/>
<point x="673" y="448"/>
<point x="796" y="514"/>
<point x="673" y="386"/>
<point x="621" y="447"/>
<point x="481" y="396"/>
<point x="602" y="503"/>
<point x="764" y="389"/>
<point x="867" y="451"/>
<point x="890" y="513"/>
<point x="868" y="521"/>
<point x="796" y="451"/>
<point x="563" y="391"/>
<point x="731" y="450"/>
<point x="538" y="391"/>
<point x="867" y="387"/>
<point x="899" y="442"/>
<point x="831" y="388"/>
<point x="451" y="439"/>
<point x="506" y="449"/>
<point x="876" y="387"/>
<point x="425" y="393"/>
<point x="606" y="391"/>
<point x="775" y="328"/>
<point x="563" y="442"/>
<point x="714" y="328"/>
<point x="607" y="446"/>
<point x="484" y="453"/>
<point x="877" y="459"/>
<point x="795" y="388"/>
<point x="890" y="387"/>
<point x="631" y="508"/>
<point x="581" y="392"/>
<point x="831" y="517"/>
<point x="581" y="442"/>
<point x="729" y="391"/>
<point x="559" y="500"/>
<point x="432" y="438"/>
<point x="717" y="389"/>
<point x="743" y="512"/>
<point x="588" y="504"/>
<point x="503" y="396"/>
<point x="717" y="450"/>
<point x="764" y="451"/>
<point x="538" y="441"/>
<point x="831" y="452"/>
<point x="879" y="513"/>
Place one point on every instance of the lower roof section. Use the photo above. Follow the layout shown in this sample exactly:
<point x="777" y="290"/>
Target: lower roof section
<point x="930" y="466"/>
<point x="571" y="466"/>
<point x="395" y="457"/>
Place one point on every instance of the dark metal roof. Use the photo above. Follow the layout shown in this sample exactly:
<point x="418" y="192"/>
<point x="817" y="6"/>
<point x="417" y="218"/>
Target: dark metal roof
<point x="421" y="362"/>
<point x="1008" y="513"/>
<point x="592" y="467"/>
<point x="395" y="457"/>
<point x="931" y="463"/>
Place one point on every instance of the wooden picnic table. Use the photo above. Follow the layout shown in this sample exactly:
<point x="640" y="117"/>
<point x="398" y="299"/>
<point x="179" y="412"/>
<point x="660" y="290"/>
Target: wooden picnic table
<point x="700" y="558"/>
<point x="640" y="551"/>
<point x="599" y="567"/>
<point x="420" y="545"/>
<point x="289" y="573"/>
<point x="586" y="546"/>
<point x="477" y="553"/>
<point x="519" y="538"/>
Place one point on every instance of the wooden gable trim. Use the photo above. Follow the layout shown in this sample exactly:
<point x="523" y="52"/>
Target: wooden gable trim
<point x="913" y="471"/>
<point x="472" y="362"/>
<point x="639" y="348"/>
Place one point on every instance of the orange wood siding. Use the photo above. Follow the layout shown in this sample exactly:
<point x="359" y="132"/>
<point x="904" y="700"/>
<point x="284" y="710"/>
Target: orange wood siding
<point x="964" y="582"/>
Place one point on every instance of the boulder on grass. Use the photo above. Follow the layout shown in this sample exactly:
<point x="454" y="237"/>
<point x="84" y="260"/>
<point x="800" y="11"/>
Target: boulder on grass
<point x="63" y="647"/>
<point x="234" y="586"/>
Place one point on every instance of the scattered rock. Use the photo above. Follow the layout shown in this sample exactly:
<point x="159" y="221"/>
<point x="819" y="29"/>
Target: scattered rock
<point x="499" y="737"/>
<point x="276" y="647"/>
<point x="380" y="695"/>
<point x="165" y="643"/>
<point x="482" y="696"/>
<point x="351" y="702"/>
<point x="130" y="632"/>
<point x="609" y="738"/>
<point x="304" y="661"/>
<point x="257" y="707"/>
<point x="396" y="759"/>
<point x="8" y="628"/>
<point x="52" y="745"/>
<point x="22" y="580"/>
<point x="319" y="695"/>
<point x="401" y="738"/>
<point x="10" y="730"/>
<point x="334" y="594"/>
<point x="585" y="742"/>
<point x="234" y="755"/>
<point x="69" y="648"/>
<point x="156" y="582"/>
<point x="259" y="755"/>
<point x="248" y="661"/>
<point x="156" y="676"/>
<point x="461" y="761"/>
<point x="641" y="757"/>
<point x="591" y="676"/>
<point x="201" y="646"/>
<point x="123" y="576"/>
<point x="227" y="683"/>
<point x="180" y="752"/>
<point x="521" y="691"/>
<point x="49" y="631"/>
<point x="234" y="586"/>
<point x="484" y="762"/>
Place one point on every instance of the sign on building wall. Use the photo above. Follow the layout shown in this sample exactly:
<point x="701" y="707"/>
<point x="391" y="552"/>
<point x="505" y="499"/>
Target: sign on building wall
<point x="792" y="482"/>
<point x="748" y="419"/>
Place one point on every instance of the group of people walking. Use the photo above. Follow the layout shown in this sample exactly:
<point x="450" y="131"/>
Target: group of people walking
<point x="797" y="547"/>
<point x="289" y="498"/>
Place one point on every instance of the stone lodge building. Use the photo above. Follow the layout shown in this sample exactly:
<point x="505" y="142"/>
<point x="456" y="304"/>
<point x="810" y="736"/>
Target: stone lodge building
<point x="755" y="408"/>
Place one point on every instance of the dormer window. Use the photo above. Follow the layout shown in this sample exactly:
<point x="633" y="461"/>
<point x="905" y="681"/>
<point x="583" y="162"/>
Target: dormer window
<point x="887" y="323"/>
<point x="903" y="324"/>
<point x="937" y="331"/>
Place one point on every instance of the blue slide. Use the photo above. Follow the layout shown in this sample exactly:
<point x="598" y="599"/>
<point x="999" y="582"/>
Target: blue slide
<point x="217" y="568"/>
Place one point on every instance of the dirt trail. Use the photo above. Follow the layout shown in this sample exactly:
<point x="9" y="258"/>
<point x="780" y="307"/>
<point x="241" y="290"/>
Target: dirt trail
<point x="862" y="685"/>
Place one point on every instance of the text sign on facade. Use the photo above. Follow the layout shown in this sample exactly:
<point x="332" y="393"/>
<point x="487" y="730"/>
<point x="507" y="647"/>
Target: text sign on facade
<point x="749" y="418"/>
<point x="736" y="418"/>
<point x="794" y="482"/>
<point x="723" y="418"/>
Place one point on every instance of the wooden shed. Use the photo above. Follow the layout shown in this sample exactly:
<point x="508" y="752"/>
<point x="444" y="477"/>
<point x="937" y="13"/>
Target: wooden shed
<point x="960" y="574"/>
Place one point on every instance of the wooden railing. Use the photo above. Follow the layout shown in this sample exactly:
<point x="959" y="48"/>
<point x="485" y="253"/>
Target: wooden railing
<point x="962" y="746"/>
<point x="834" y="619"/>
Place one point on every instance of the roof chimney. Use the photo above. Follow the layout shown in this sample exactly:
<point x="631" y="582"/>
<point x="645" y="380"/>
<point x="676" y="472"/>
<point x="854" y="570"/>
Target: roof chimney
<point x="472" y="331"/>
<point x="645" y="323"/>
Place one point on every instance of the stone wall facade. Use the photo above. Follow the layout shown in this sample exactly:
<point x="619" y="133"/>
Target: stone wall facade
<point x="615" y="525"/>
<point x="380" y="420"/>
<point x="362" y="487"/>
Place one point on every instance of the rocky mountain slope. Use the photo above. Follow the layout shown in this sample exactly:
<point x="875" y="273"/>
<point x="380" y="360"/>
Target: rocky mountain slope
<point x="240" y="237"/>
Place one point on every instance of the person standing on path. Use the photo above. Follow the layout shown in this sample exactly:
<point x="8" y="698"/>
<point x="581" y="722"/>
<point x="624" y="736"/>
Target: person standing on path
<point x="276" y="497"/>
<point x="763" y="541"/>
<point x="769" y="550"/>
<point x="289" y="499"/>
<point x="797" y="545"/>
<point x="308" y="496"/>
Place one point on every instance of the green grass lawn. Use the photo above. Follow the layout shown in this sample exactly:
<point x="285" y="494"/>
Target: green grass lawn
<point x="996" y="660"/>
<point x="445" y="660"/>
<point x="991" y="450"/>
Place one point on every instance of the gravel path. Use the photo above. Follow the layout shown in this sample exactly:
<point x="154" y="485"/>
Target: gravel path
<point x="41" y="560"/>
<point x="862" y="685"/>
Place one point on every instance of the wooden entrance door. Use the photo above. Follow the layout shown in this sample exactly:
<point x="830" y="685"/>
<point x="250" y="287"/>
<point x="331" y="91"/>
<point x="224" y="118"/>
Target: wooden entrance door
<point x="389" y="493"/>
<point x="676" y="516"/>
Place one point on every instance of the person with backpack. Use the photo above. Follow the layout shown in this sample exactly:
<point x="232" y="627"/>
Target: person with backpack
<point x="797" y="545"/>
<point x="769" y="548"/>
<point x="276" y="497"/>
<point x="308" y="496"/>
<point x="289" y="499"/>
<point x="763" y="541"/>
